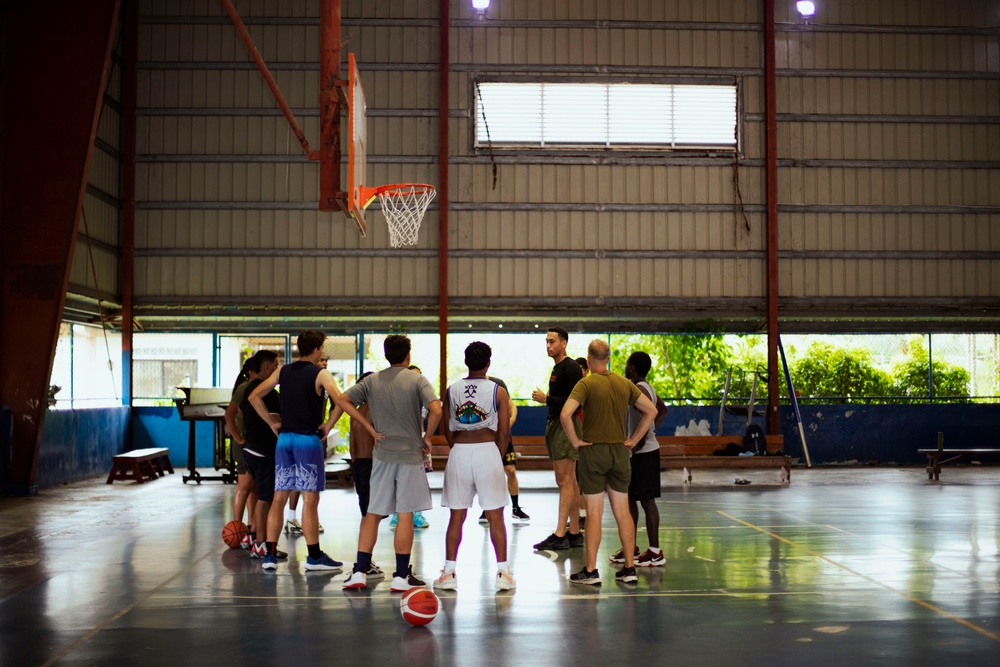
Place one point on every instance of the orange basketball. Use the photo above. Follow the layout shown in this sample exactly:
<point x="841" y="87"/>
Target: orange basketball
<point x="233" y="533"/>
<point x="418" y="606"/>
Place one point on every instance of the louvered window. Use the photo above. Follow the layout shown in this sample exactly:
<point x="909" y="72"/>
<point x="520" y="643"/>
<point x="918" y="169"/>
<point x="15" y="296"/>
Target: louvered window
<point x="558" y="115"/>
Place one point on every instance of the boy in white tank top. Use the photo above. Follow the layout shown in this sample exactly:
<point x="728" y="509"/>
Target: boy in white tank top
<point x="478" y="421"/>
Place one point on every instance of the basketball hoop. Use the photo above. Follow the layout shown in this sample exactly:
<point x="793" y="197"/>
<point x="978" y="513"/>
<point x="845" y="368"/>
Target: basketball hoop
<point x="403" y="206"/>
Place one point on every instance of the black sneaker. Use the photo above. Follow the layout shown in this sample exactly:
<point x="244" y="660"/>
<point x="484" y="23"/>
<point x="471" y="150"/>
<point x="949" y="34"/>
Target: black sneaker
<point x="553" y="543"/>
<point x="626" y="575"/>
<point x="592" y="578"/>
<point x="575" y="539"/>
<point x="519" y="515"/>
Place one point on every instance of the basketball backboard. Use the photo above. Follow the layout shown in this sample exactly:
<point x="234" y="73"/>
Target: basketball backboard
<point x="357" y="135"/>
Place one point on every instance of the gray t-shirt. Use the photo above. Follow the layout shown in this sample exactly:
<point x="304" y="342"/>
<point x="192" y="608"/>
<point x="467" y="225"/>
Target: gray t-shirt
<point x="395" y="396"/>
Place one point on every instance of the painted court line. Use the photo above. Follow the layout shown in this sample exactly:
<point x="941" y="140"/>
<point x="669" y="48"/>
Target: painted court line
<point x="903" y="594"/>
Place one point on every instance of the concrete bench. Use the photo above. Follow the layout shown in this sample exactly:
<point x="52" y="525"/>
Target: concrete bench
<point x="150" y="462"/>
<point x="934" y="458"/>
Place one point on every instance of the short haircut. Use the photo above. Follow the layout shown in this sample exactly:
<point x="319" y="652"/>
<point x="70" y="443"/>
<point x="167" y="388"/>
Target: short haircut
<point x="562" y="333"/>
<point x="599" y="349"/>
<point x="415" y="368"/>
<point x="583" y="363"/>
<point x="364" y="375"/>
<point x="309" y="341"/>
<point x="396" y="347"/>
<point x="641" y="362"/>
<point x="478" y="355"/>
<point x="261" y="357"/>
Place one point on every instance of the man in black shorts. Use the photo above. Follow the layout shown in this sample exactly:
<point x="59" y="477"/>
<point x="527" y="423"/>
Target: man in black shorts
<point x="644" y="488"/>
<point x="510" y="465"/>
<point x="258" y="447"/>
<point x="604" y="453"/>
<point x="565" y="374"/>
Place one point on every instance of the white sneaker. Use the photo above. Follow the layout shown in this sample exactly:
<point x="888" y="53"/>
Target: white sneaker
<point x="374" y="571"/>
<point x="447" y="581"/>
<point x="505" y="581"/>
<point x="355" y="581"/>
<point x="293" y="526"/>
<point x="406" y="582"/>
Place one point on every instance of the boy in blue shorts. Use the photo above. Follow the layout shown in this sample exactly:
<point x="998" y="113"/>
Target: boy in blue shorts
<point x="299" y="459"/>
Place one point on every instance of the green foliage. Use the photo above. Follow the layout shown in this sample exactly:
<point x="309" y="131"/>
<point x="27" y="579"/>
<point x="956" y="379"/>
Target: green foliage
<point x="909" y="377"/>
<point x="826" y="370"/>
<point x="692" y="366"/>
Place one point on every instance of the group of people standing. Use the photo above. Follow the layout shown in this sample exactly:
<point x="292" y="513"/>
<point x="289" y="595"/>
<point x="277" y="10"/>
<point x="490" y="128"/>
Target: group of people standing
<point x="599" y="435"/>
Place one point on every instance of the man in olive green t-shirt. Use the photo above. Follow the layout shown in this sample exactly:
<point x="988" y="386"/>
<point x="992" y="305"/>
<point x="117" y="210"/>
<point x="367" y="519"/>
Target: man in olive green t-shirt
<point x="604" y="454"/>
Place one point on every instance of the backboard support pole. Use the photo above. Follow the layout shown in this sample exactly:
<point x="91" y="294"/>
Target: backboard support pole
<point x="331" y="197"/>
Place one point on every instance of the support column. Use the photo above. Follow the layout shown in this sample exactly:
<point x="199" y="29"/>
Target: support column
<point x="56" y="57"/>
<point x="771" y="116"/>
<point x="443" y="197"/>
<point x="129" y="97"/>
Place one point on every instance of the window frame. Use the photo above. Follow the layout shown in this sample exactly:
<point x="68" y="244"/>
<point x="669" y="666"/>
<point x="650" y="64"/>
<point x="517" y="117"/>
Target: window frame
<point x="717" y="151"/>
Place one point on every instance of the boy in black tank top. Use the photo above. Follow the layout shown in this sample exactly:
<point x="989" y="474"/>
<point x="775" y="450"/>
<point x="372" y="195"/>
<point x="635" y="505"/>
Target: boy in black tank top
<point x="299" y="461"/>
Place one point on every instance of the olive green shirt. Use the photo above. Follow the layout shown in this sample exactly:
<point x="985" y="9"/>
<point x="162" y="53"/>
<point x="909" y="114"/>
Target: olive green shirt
<point x="605" y="399"/>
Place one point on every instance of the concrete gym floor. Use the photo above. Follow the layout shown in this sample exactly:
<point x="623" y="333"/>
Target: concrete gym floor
<point x="845" y="566"/>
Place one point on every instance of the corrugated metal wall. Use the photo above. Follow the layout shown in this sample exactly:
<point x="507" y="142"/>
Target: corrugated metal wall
<point x="888" y="141"/>
<point x="98" y="244"/>
<point x="889" y="136"/>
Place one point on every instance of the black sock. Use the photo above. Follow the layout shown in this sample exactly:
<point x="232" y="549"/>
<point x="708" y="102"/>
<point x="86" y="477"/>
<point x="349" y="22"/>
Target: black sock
<point x="314" y="550"/>
<point x="513" y="499"/>
<point x="364" y="561"/>
<point x="253" y="535"/>
<point x="402" y="564"/>
<point x="272" y="548"/>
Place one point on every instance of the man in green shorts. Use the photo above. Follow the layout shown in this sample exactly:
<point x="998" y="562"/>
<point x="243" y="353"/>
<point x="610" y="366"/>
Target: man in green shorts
<point x="604" y="454"/>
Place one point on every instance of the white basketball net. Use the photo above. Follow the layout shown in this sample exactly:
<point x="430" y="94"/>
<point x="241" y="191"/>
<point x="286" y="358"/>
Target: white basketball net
<point x="403" y="207"/>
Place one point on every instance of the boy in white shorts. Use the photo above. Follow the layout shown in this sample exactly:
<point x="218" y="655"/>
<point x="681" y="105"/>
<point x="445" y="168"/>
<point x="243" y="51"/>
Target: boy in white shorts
<point x="478" y="421"/>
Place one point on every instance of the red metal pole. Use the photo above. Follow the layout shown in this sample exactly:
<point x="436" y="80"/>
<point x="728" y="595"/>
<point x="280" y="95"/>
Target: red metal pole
<point x="55" y="71"/>
<point x="129" y="97"/>
<point x="770" y="78"/>
<point x="262" y="66"/>
<point x="331" y="197"/>
<point x="443" y="198"/>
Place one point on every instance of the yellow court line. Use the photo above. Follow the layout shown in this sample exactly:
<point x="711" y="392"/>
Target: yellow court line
<point x="903" y="594"/>
<point x="84" y="639"/>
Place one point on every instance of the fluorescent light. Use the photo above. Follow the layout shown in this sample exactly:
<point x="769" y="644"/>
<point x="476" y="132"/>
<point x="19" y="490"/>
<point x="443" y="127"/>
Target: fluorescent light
<point x="481" y="6"/>
<point x="806" y="8"/>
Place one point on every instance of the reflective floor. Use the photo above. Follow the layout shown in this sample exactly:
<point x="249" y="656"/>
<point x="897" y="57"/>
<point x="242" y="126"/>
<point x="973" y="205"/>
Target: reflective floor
<point x="845" y="566"/>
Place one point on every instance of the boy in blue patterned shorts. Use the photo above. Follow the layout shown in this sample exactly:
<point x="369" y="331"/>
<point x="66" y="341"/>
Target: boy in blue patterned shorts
<point x="299" y="463"/>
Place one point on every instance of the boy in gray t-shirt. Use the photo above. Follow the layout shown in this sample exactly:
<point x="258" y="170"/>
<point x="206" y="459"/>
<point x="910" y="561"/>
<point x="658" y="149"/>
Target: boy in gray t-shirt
<point x="395" y="397"/>
<point x="398" y="481"/>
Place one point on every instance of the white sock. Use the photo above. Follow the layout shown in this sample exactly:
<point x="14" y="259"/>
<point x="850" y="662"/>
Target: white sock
<point x="449" y="566"/>
<point x="289" y="514"/>
<point x="504" y="566"/>
<point x="655" y="550"/>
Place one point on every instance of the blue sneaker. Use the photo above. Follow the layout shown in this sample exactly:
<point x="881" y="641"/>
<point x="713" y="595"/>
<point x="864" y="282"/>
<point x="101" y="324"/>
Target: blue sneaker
<point x="324" y="562"/>
<point x="394" y="520"/>
<point x="419" y="521"/>
<point x="270" y="563"/>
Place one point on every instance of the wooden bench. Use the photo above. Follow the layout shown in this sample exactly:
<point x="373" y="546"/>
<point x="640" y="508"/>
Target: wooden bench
<point x="151" y="462"/>
<point x="934" y="461"/>
<point x="674" y="450"/>
<point x="686" y="463"/>
<point x="338" y="473"/>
